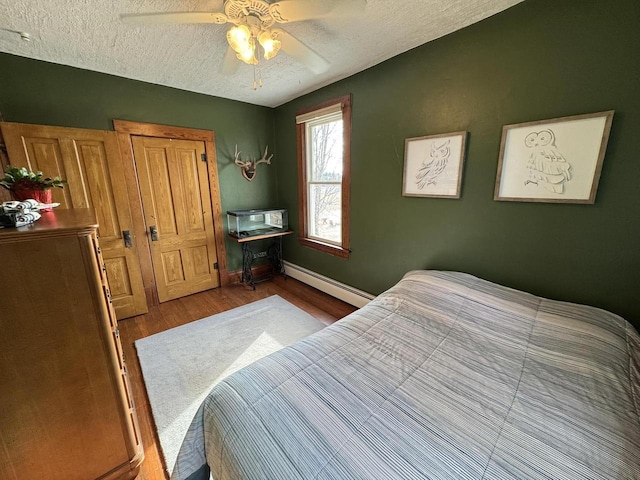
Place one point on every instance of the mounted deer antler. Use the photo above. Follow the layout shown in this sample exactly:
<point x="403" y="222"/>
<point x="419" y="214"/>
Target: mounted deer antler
<point x="249" y="167"/>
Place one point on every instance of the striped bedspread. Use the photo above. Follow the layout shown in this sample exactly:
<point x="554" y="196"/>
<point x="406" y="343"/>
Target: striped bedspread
<point x="444" y="376"/>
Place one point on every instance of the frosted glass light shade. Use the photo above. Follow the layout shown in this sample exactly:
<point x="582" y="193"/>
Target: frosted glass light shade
<point x="248" y="54"/>
<point x="243" y="43"/>
<point x="238" y="37"/>
<point x="270" y="45"/>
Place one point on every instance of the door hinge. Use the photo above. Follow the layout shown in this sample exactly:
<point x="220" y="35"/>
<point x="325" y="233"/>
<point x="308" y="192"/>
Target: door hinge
<point x="203" y="157"/>
<point x="215" y="266"/>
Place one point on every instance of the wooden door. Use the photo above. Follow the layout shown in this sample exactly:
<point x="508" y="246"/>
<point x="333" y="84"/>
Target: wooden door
<point x="174" y="187"/>
<point x="91" y="163"/>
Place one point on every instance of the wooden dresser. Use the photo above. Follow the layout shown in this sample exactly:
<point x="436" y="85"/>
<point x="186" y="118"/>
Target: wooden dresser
<point x="66" y="410"/>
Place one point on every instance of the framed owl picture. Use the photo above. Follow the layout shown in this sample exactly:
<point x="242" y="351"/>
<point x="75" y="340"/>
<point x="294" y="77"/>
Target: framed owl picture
<point x="553" y="161"/>
<point x="433" y="165"/>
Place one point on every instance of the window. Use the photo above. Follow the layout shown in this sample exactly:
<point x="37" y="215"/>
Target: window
<point x="324" y="141"/>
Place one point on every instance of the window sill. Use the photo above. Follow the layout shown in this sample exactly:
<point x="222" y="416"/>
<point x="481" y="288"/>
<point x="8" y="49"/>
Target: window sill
<point x="325" y="247"/>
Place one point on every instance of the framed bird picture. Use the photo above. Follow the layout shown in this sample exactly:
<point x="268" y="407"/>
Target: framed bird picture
<point x="433" y="165"/>
<point x="553" y="161"/>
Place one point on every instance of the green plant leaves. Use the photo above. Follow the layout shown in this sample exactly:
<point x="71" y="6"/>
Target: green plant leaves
<point x="22" y="176"/>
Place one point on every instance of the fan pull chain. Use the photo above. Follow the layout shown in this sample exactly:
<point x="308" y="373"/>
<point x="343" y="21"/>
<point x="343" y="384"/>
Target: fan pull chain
<point x="255" y="67"/>
<point x="255" y="86"/>
<point x="257" y="83"/>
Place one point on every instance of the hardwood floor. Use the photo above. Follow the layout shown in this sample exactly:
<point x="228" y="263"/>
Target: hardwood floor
<point x="194" y="307"/>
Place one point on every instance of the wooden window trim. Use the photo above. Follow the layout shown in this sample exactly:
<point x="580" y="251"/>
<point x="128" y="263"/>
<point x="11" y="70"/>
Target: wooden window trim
<point x="342" y="251"/>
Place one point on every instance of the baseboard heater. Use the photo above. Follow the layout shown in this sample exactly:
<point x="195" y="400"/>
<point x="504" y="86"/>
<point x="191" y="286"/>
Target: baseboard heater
<point x="347" y="294"/>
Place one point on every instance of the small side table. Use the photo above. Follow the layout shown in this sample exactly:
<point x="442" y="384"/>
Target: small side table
<point x="273" y="253"/>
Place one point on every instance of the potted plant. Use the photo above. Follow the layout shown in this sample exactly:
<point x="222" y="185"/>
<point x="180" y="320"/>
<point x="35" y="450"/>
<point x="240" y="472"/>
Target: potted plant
<point x="24" y="184"/>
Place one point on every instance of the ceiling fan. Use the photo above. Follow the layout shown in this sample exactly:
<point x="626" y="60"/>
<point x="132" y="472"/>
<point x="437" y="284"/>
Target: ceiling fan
<point x="252" y="27"/>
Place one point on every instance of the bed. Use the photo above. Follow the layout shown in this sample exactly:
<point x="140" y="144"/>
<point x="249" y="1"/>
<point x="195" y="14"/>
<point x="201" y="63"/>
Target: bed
<point x="443" y="376"/>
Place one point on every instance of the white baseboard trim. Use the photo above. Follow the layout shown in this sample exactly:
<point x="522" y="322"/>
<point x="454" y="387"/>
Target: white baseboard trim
<point x="348" y="294"/>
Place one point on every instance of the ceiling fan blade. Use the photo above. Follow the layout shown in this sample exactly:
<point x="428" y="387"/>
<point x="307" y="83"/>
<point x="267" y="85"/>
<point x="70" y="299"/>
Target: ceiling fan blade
<point x="300" y="52"/>
<point x="230" y="63"/>
<point x="296" y="10"/>
<point x="174" y="17"/>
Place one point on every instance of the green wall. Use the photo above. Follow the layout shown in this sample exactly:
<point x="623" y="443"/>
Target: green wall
<point x="541" y="59"/>
<point x="538" y="60"/>
<point x="44" y="93"/>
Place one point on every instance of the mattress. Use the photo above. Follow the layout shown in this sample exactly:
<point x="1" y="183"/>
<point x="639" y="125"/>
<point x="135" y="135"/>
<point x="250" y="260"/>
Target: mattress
<point x="443" y="376"/>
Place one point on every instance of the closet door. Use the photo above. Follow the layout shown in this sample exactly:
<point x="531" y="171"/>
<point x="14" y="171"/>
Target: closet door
<point x="174" y="187"/>
<point x="90" y="161"/>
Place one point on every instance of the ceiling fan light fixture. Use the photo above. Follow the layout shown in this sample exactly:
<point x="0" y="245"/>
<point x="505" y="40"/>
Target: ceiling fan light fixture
<point x="252" y="28"/>
<point x="270" y="44"/>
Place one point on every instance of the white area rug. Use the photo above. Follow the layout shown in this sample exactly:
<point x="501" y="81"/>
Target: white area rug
<point x="181" y="365"/>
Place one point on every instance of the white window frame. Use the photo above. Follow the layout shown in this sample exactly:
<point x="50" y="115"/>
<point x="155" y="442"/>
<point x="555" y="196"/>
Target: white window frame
<point x="332" y="117"/>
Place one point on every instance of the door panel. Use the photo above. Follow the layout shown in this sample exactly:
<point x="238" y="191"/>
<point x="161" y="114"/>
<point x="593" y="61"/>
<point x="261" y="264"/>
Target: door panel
<point x="90" y="161"/>
<point x="174" y="186"/>
<point x="173" y="267"/>
<point x="117" y="273"/>
<point x="157" y="171"/>
<point x="44" y="154"/>
<point x="194" y="222"/>
<point x="93" y="159"/>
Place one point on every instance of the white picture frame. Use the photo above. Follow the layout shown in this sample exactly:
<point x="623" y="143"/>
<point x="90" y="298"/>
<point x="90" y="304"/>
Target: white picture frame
<point x="553" y="161"/>
<point x="433" y="165"/>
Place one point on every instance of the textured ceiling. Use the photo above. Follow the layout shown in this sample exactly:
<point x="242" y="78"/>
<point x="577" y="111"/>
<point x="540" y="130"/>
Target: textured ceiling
<point x="89" y="34"/>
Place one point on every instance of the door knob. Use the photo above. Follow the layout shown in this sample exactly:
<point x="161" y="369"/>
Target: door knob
<point x="154" y="233"/>
<point x="126" y="236"/>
